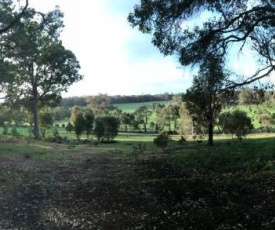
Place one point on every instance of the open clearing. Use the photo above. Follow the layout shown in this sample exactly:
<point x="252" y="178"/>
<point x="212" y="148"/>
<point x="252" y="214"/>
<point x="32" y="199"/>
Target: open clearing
<point x="49" y="186"/>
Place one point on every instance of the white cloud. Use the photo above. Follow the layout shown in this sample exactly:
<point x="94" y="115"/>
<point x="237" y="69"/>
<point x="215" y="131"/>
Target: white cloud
<point x="114" y="57"/>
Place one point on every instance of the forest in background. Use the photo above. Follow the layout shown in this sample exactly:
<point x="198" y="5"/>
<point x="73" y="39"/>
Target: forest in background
<point x="117" y="99"/>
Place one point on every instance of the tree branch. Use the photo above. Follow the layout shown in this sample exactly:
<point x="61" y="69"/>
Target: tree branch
<point x="15" y="20"/>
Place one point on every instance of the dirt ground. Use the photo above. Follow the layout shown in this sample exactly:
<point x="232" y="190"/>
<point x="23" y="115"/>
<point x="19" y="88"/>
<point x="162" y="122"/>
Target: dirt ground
<point x="107" y="191"/>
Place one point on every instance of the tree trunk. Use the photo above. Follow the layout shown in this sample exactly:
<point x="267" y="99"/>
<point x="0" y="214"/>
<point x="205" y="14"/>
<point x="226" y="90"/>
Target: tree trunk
<point x="210" y="133"/>
<point x="157" y="128"/>
<point x="36" y="131"/>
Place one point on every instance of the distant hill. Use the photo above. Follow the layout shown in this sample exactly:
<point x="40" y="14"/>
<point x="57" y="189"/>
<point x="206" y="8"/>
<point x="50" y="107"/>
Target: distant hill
<point x="118" y="99"/>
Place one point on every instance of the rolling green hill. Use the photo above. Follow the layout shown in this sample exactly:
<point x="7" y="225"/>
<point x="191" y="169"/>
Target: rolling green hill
<point x="131" y="107"/>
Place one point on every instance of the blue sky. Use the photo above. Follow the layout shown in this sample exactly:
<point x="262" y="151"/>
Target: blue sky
<point x="115" y="58"/>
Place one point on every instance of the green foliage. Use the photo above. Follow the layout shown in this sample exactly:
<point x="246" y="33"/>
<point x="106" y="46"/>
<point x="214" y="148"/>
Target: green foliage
<point x="99" y="128"/>
<point x="5" y="130"/>
<point x="142" y="115"/>
<point x="265" y="118"/>
<point x="186" y="123"/>
<point x="166" y="116"/>
<point x="89" y="121"/>
<point x="100" y="104"/>
<point x="236" y="122"/>
<point x="111" y="125"/>
<point x="245" y="96"/>
<point x="72" y="144"/>
<point x="106" y="127"/>
<point x="81" y="121"/>
<point x="75" y="110"/>
<point x="45" y="121"/>
<point x="79" y="125"/>
<point x="41" y="68"/>
<point x="203" y="99"/>
<point x="127" y="119"/>
<point x="30" y="132"/>
<point x="69" y="127"/>
<point x="55" y="133"/>
<point x="195" y="30"/>
<point x="162" y="140"/>
<point x="10" y="17"/>
<point x="14" y="132"/>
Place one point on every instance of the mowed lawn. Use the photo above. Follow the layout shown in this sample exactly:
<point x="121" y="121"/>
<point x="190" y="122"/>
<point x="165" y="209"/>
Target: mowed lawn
<point x="134" y="185"/>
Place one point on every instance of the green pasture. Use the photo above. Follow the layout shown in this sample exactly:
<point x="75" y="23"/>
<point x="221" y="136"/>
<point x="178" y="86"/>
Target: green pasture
<point x="132" y="107"/>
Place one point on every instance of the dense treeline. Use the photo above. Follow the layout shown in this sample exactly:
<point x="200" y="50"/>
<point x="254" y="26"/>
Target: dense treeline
<point x="72" y="101"/>
<point x="241" y="96"/>
<point x="117" y="99"/>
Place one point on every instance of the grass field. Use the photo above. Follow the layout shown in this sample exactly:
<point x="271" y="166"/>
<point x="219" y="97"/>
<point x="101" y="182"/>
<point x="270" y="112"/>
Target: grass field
<point x="132" y="107"/>
<point x="133" y="185"/>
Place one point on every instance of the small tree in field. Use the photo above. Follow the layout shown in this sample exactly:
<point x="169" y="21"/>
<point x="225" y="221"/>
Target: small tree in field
<point x="106" y="127"/>
<point x="111" y="125"/>
<point x="79" y="125"/>
<point x="69" y="127"/>
<point x="203" y="98"/>
<point x="45" y="121"/>
<point x="88" y="121"/>
<point x="162" y="140"/>
<point x="99" y="128"/>
<point x="236" y="122"/>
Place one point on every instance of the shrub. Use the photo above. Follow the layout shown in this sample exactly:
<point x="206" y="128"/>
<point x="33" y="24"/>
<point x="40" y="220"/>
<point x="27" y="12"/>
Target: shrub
<point x="14" y="132"/>
<point x="106" y="128"/>
<point x="55" y="132"/>
<point x="57" y="137"/>
<point x="162" y="140"/>
<point x="5" y="130"/>
<point x="69" y="127"/>
<point x="236" y="122"/>
<point x="182" y="140"/>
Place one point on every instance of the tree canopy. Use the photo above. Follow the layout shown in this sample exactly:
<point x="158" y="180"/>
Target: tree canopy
<point x="40" y="67"/>
<point x="10" y="17"/>
<point x="193" y="30"/>
<point x="204" y="98"/>
<point x="236" y="122"/>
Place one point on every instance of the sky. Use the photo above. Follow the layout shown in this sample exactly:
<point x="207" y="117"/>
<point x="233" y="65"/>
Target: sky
<point x="115" y="58"/>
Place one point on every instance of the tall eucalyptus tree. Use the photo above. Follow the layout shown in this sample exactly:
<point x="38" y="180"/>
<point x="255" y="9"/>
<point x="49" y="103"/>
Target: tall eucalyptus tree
<point x="41" y="67"/>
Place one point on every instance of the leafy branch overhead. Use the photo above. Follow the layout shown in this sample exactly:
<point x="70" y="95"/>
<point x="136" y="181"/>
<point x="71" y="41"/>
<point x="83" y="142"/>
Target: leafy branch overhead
<point x="193" y="30"/>
<point x="9" y="20"/>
